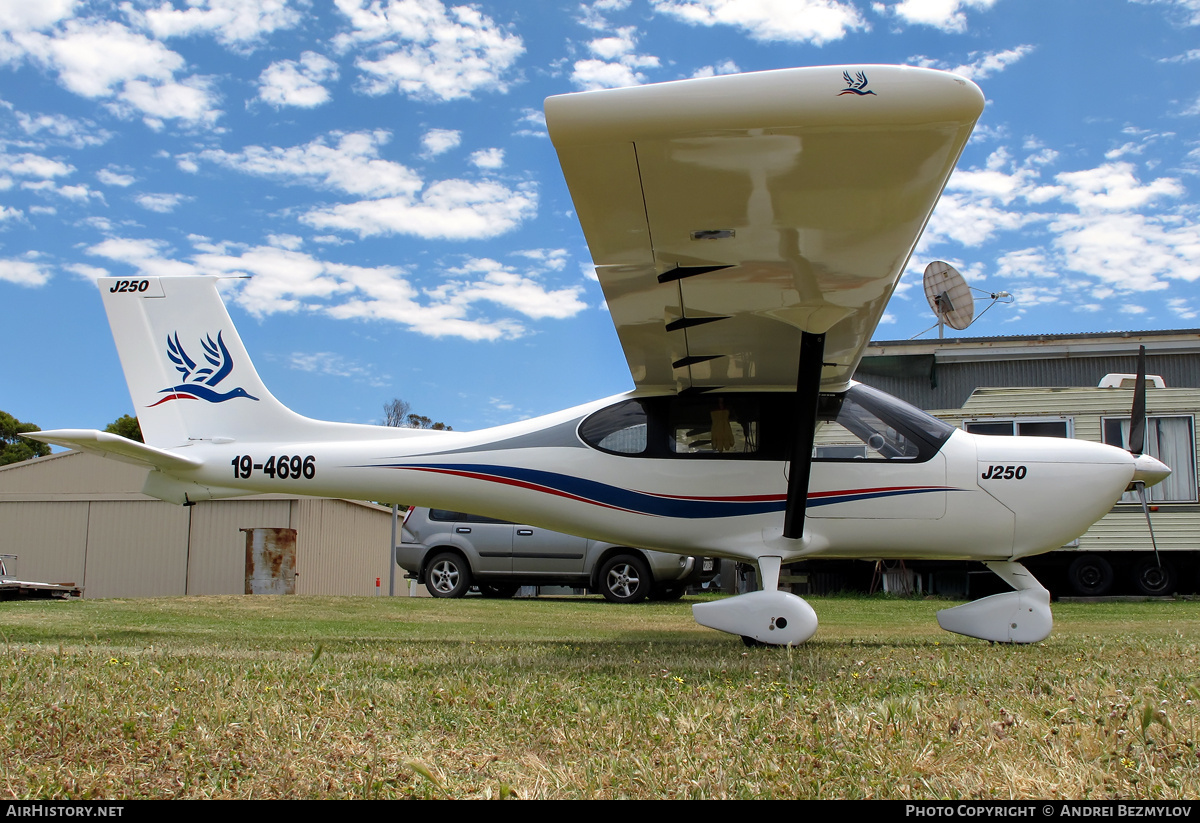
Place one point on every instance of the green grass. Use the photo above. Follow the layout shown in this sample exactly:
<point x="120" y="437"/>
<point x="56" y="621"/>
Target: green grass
<point x="573" y="697"/>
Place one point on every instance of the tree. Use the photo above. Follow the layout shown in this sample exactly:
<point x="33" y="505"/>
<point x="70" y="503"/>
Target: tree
<point x="399" y="413"/>
<point x="127" y="426"/>
<point x="395" y="412"/>
<point x="13" y="447"/>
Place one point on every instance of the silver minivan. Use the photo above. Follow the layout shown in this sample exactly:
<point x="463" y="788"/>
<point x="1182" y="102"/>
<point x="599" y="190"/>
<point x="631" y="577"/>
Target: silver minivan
<point x="453" y="553"/>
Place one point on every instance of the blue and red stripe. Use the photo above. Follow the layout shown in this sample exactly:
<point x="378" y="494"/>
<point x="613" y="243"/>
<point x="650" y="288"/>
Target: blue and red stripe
<point x="649" y="503"/>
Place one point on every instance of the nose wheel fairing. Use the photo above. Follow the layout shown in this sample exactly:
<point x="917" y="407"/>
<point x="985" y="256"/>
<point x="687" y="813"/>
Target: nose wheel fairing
<point x="1020" y="616"/>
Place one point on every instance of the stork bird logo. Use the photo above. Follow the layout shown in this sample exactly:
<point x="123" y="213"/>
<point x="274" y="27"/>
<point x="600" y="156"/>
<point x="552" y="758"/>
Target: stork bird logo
<point x="199" y="382"/>
<point x="855" y="85"/>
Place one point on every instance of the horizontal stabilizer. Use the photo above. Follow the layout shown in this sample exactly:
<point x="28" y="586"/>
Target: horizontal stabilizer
<point x="116" y="447"/>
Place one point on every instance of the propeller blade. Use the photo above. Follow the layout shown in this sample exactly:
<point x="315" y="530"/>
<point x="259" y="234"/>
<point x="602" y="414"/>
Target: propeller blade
<point x="1137" y="415"/>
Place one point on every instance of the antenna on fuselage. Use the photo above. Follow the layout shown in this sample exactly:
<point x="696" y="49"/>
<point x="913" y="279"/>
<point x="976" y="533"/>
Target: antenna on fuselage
<point x="951" y="300"/>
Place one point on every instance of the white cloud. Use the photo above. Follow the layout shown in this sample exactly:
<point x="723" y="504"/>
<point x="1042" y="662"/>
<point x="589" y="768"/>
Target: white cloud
<point x="79" y="193"/>
<point x="616" y="62"/>
<point x="592" y="15"/>
<point x="947" y="15"/>
<point x="1129" y="252"/>
<point x="33" y="165"/>
<point x="238" y="23"/>
<point x="790" y="21"/>
<point x="297" y="82"/>
<point x="18" y="16"/>
<point x="111" y="177"/>
<point x="532" y="123"/>
<point x="284" y="280"/>
<point x="108" y="61"/>
<point x="334" y="365"/>
<point x="289" y="281"/>
<point x="497" y="283"/>
<point x="161" y="203"/>
<point x="285" y="241"/>
<point x="597" y="74"/>
<point x="1114" y="186"/>
<point x="440" y="141"/>
<point x="552" y="259"/>
<point x="24" y="272"/>
<point x="40" y="176"/>
<point x="448" y="210"/>
<point x="400" y="201"/>
<point x="87" y="272"/>
<point x="423" y="50"/>
<point x="727" y="67"/>
<point x="1188" y="56"/>
<point x="147" y="256"/>
<point x="1188" y="10"/>
<point x="981" y="65"/>
<point x="1182" y="308"/>
<point x="1104" y="229"/>
<point x="352" y="165"/>
<point x="58" y="127"/>
<point x="1024" y="263"/>
<point x="488" y="158"/>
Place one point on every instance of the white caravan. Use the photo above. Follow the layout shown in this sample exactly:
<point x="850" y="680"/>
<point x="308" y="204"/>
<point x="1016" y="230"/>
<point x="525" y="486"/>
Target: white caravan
<point x="748" y="231"/>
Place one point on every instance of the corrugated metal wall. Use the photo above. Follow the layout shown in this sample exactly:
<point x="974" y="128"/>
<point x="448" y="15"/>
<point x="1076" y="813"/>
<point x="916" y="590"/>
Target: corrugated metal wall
<point x="956" y="381"/>
<point x="217" y="553"/>
<point x="74" y="517"/>
<point x="341" y="548"/>
<point x="136" y="549"/>
<point x="46" y="538"/>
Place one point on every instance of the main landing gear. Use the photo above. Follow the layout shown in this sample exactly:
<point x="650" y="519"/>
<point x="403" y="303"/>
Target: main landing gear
<point x="769" y="616"/>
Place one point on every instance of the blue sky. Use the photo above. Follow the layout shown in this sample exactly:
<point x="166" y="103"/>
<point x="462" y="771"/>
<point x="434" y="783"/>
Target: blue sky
<point x="381" y="168"/>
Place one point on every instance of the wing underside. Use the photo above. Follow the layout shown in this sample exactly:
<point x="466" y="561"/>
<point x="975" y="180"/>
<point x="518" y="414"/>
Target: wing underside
<point x="727" y="215"/>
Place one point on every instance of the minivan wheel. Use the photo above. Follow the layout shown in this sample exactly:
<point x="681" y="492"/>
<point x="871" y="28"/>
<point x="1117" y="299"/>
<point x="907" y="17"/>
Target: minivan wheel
<point x="625" y="579"/>
<point x="448" y="575"/>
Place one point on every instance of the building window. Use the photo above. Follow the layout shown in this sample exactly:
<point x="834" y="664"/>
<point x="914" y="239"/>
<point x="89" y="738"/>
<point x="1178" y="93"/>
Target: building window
<point x="1023" y="427"/>
<point x="1170" y="438"/>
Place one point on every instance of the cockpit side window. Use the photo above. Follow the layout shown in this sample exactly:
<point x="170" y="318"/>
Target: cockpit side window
<point x="714" y="425"/>
<point x="620" y="429"/>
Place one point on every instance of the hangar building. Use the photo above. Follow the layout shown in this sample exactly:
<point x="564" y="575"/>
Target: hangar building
<point x="75" y="517"/>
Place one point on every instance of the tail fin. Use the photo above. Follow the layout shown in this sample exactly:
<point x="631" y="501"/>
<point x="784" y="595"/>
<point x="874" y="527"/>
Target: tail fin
<point x="189" y="375"/>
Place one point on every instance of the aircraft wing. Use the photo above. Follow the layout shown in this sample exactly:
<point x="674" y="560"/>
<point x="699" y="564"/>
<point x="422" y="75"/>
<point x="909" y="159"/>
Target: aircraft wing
<point x="726" y="215"/>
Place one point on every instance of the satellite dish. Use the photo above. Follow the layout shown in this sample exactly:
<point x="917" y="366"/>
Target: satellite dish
<point x="949" y="296"/>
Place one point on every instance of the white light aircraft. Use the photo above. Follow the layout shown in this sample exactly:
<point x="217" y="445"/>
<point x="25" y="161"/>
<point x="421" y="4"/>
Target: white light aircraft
<point x="748" y="231"/>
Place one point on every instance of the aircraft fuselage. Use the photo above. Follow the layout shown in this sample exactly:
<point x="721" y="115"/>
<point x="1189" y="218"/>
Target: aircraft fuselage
<point x="963" y="496"/>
